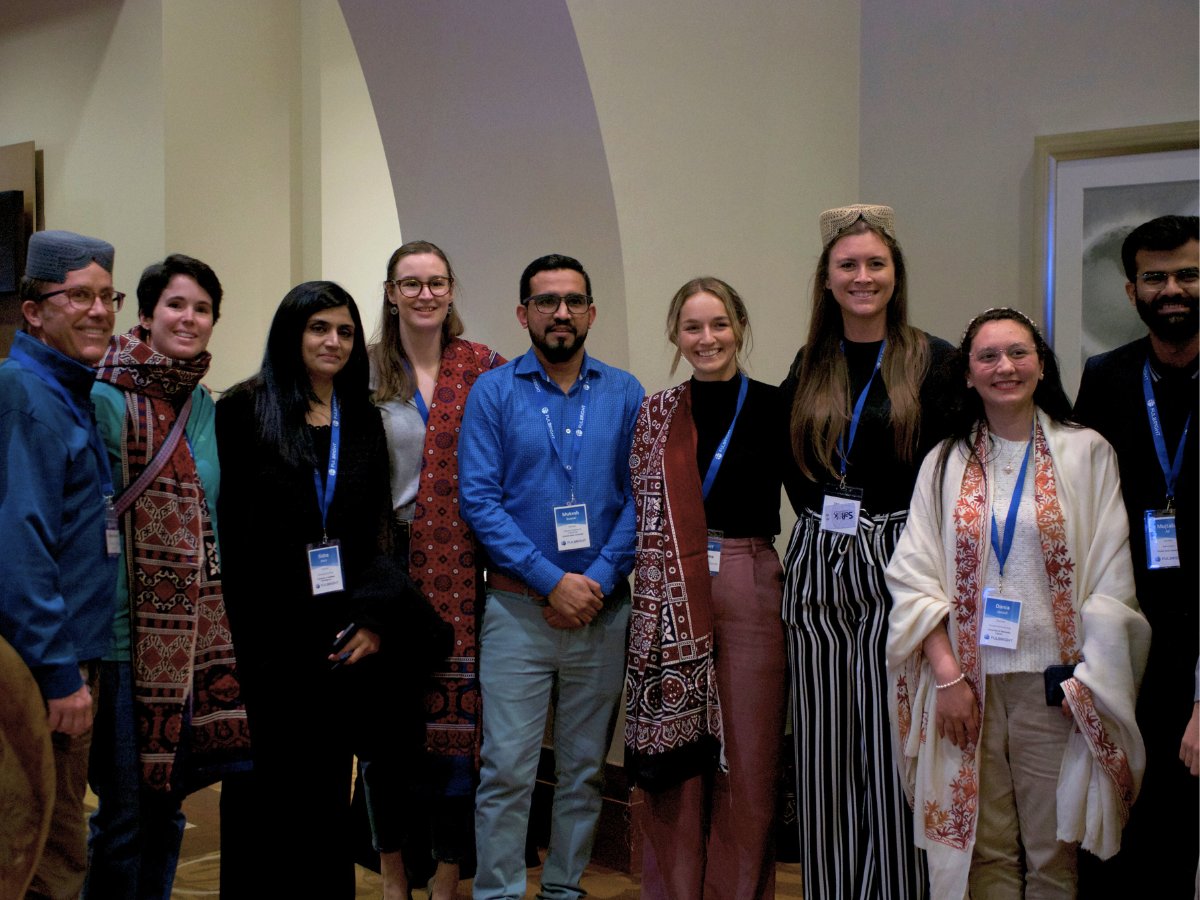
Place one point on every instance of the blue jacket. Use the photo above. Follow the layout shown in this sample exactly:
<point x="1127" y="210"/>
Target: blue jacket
<point x="56" y="578"/>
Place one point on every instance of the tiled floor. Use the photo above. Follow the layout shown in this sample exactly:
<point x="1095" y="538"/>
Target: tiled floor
<point x="198" y="866"/>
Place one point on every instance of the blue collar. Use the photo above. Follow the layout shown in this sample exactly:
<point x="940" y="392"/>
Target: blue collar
<point x="70" y="373"/>
<point x="528" y="364"/>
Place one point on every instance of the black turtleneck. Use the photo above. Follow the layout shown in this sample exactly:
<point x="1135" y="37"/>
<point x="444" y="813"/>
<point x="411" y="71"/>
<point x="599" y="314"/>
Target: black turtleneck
<point x="744" y="501"/>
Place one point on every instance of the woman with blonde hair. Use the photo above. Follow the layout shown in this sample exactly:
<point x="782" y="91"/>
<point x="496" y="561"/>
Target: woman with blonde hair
<point x="862" y="393"/>
<point x="422" y="371"/>
<point x="706" y="668"/>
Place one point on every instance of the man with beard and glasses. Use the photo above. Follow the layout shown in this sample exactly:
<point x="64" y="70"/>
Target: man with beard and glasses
<point x="1143" y="398"/>
<point x="544" y="484"/>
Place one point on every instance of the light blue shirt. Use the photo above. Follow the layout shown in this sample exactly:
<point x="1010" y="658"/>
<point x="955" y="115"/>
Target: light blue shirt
<point x="511" y="478"/>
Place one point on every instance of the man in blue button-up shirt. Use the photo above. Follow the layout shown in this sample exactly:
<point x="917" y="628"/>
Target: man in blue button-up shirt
<point x="58" y="567"/>
<point x="544" y="471"/>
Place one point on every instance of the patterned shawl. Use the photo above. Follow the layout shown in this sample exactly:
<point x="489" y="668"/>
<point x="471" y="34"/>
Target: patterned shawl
<point x="183" y="660"/>
<point x="442" y="559"/>
<point x="1103" y="759"/>
<point x="672" y="713"/>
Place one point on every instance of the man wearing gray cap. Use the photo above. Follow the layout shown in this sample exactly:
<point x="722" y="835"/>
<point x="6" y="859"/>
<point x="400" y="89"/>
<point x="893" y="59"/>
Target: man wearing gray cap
<point x="58" y="567"/>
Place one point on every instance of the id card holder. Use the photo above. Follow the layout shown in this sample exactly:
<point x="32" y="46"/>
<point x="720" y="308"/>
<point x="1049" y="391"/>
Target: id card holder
<point x="571" y="527"/>
<point x="1162" y="544"/>
<point x="325" y="568"/>
<point x="839" y="513"/>
<point x="1001" y="621"/>
<point x="714" y="550"/>
<point x="112" y="530"/>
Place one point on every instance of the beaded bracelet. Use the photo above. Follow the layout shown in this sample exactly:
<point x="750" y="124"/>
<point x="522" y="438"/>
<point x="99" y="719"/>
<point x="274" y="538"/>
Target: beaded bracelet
<point x="961" y="676"/>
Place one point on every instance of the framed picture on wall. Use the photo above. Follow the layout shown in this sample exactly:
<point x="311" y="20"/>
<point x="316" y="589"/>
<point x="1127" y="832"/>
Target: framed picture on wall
<point x="1095" y="187"/>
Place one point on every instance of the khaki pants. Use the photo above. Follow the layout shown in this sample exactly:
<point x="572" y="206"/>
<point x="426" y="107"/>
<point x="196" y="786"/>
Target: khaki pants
<point x="60" y="872"/>
<point x="1016" y="852"/>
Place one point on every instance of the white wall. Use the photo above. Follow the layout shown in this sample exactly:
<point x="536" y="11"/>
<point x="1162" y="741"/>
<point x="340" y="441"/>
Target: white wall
<point x="953" y="95"/>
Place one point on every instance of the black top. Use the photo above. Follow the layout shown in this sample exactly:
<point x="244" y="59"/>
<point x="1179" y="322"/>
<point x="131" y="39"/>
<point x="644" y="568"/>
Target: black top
<point x="886" y="480"/>
<point x="744" y="501"/>
<point x="1112" y="402"/>
<point x="269" y="515"/>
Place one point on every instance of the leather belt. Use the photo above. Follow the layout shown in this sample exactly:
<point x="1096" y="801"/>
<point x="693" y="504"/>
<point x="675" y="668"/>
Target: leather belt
<point x="501" y="582"/>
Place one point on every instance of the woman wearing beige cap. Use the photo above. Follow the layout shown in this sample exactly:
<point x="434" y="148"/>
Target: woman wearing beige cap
<point x="862" y="397"/>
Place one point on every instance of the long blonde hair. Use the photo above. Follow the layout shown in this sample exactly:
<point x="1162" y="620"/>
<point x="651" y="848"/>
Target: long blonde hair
<point x="389" y="362"/>
<point x="822" y="405"/>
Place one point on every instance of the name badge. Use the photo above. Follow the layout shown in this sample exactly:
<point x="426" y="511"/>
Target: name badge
<point x="714" y="551"/>
<point x="112" y="530"/>
<point x="839" y="513"/>
<point x="325" y="568"/>
<point x="1001" y="621"/>
<point x="571" y="526"/>
<point x="1162" y="546"/>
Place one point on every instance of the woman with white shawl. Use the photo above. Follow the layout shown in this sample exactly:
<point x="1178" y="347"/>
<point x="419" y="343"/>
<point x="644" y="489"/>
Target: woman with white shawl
<point x="1015" y="643"/>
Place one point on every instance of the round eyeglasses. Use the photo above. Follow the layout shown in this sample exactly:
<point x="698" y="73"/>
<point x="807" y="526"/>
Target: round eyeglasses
<point x="439" y="285"/>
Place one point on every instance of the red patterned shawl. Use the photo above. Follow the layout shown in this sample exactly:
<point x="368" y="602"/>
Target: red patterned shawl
<point x="442" y="558"/>
<point x="672" y="712"/>
<point x="182" y="650"/>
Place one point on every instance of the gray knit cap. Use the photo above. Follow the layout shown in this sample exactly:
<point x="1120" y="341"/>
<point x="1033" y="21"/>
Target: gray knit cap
<point x="52" y="254"/>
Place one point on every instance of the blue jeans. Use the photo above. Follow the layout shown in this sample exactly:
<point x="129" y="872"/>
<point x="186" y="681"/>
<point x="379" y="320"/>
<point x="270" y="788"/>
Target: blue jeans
<point x="134" y="834"/>
<point x="523" y="662"/>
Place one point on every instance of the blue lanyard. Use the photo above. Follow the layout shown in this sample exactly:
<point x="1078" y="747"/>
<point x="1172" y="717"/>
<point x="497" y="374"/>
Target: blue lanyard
<point x="417" y="398"/>
<point x="325" y="492"/>
<point x="569" y="461"/>
<point x="1010" y="521"/>
<point x="715" y="464"/>
<point x="421" y="407"/>
<point x="844" y="445"/>
<point x="83" y="420"/>
<point x="1170" y="470"/>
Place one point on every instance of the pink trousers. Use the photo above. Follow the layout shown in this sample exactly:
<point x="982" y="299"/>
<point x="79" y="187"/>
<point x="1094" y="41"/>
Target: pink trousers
<point x="712" y="836"/>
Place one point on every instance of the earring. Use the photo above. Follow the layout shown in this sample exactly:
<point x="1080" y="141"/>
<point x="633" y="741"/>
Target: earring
<point x="392" y="310"/>
<point x="450" y="307"/>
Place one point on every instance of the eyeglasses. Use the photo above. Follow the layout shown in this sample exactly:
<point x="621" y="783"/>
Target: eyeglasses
<point x="83" y="298"/>
<point x="547" y="304"/>
<point x="439" y="285"/>
<point x="990" y="356"/>
<point x="1188" y="276"/>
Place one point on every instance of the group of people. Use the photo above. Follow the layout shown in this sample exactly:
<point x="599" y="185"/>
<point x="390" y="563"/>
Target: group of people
<point x="408" y="551"/>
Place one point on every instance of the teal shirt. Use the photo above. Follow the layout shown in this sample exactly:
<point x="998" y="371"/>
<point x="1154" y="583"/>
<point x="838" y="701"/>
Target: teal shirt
<point x="201" y="435"/>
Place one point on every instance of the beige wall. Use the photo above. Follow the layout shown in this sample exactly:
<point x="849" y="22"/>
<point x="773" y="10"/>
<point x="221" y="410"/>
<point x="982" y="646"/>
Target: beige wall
<point x="953" y="95"/>
<point x="240" y="133"/>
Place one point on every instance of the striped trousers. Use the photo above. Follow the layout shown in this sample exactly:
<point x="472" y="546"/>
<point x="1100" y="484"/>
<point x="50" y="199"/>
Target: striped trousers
<point x="856" y="837"/>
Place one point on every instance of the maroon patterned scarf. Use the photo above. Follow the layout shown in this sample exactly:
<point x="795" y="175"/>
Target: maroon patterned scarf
<point x="183" y="658"/>
<point x="672" y="714"/>
<point x="442" y="559"/>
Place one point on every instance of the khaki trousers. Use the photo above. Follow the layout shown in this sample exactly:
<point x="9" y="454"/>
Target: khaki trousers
<point x="1016" y="852"/>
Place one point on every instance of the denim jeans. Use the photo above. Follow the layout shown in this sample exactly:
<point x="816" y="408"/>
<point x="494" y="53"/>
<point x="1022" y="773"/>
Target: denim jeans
<point x="134" y="834"/>
<point x="522" y="663"/>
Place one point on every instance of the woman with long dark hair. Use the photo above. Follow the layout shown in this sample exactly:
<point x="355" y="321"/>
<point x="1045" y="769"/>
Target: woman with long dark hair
<point x="705" y="682"/>
<point x="863" y="393"/>
<point x="305" y="498"/>
<point x="1015" y="644"/>
<point x="422" y="371"/>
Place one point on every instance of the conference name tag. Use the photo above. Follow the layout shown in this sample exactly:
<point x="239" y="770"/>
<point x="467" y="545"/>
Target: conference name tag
<point x="325" y="568"/>
<point x="1001" y="621"/>
<point x="112" y="530"/>
<point x="839" y="513"/>
<point x="571" y="526"/>
<point x="714" y="550"/>
<point x="1162" y="545"/>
